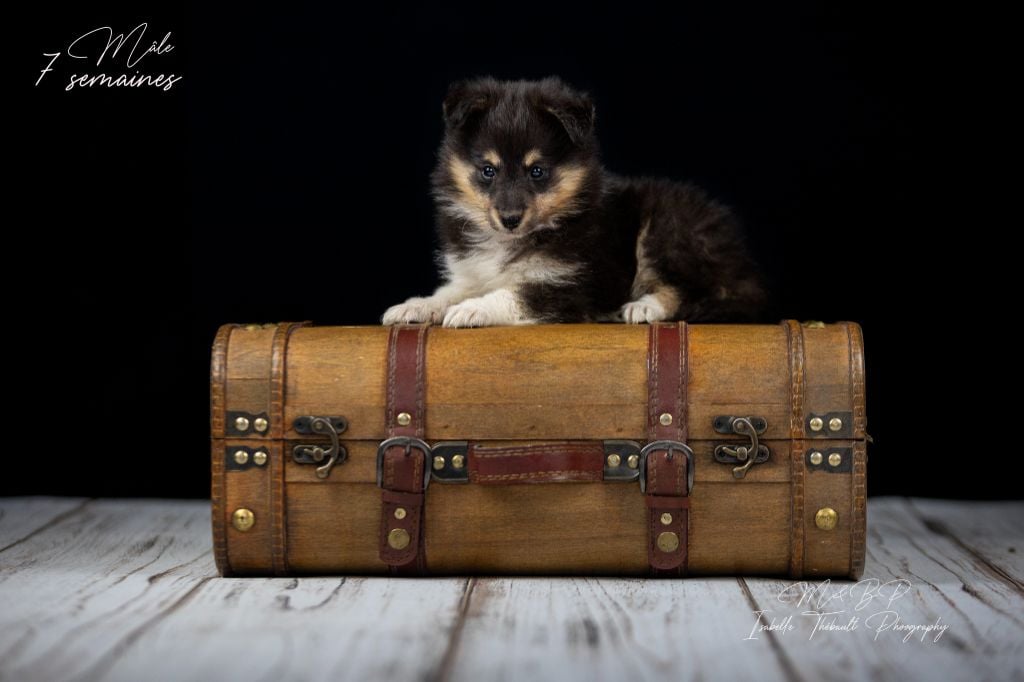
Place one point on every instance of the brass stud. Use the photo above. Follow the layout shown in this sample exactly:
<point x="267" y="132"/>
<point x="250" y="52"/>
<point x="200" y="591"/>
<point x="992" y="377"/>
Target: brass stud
<point x="665" y="419"/>
<point x="614" y="460"/>
<point x="835" y="459"/>
<point x="816" y="458"/>
<point x="400" y="513"/>
<point x="438" y="462"/>
<point x="826" y="518"/>
<point x="259" y="457"/>
<point x="814" y="324"/>
<point x="260" y="424"/>
<point x="816" y="424"/>
<point x="241" y="456"/>
<point x="835" y="423"/>
<point x="458" y="461"/>
<point x="666" y="519"/>
<point x="241" y="424"/>
<point x="668" y="541"/>
<point x="252" y="327"/>
<point x="398" y="538"/>
<point x="633" y="461"/>
<point x="404" y="419"/>
<point x="243" y="519"/>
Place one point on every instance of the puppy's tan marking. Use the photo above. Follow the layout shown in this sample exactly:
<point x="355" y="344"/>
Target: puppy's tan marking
<point x="527" y="215"/>
<point x="667" y="297"/>
<point x="652" y="299"/>
<point x="532" y="157"/>
<point x="646" y="278"/>
<point x="560" y="199"/>
<point x="461" y="173"/>
<point x="493" y="158"/>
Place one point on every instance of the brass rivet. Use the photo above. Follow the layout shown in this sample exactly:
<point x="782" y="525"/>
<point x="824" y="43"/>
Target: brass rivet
<point x="835" y="459"/>
<point x="438" y="462"/>
<point x="633" y="461"/>
<point x="835" y="423"/>
<point x="243" y="519"/>
<point x="252" y="327"/>
<point x="826" y="518"/>
<point x="241" y="424"/>
<point x="665" y="419"/>
<point x="400" y="513"/>
<point x="814" y="324"/>
<point x="259" y="457"/>
<point x="666" y="519"/>
<point x="404" y="419"/>
<point x="398" y="538"/>
<point x="668" y="541"/>
<point x="241" y="456"/>
<point x="458" y="461"/>
<point x="614" y="460"/>
<point x="260" y="424"/>
<point x="815" y="458"/>
<point x="816" y="424"/>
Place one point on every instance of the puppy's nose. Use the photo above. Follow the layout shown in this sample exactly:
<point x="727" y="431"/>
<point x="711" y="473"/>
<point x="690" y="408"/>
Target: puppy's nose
<point x="511" y="220"/>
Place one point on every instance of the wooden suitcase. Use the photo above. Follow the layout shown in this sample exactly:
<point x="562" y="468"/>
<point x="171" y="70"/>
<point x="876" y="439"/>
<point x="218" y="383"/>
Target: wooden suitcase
<point x="662" y="450"/>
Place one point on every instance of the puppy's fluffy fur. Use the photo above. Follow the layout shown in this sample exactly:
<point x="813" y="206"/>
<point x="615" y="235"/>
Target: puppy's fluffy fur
<point x="534" y="229"/>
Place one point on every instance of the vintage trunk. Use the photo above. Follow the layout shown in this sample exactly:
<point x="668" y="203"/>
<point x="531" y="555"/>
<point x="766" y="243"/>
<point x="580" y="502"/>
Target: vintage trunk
<point x="519" y="450"/>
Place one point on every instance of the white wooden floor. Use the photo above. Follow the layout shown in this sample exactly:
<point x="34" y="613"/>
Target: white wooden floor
<point x="127" y="590"/>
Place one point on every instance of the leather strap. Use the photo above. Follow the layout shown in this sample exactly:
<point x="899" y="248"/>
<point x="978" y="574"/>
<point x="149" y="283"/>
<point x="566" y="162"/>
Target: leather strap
<point x="666" y="473"/>
<point x="541" y="463"/>
<point x="797" y="468"/>
<point x="279" y="524"/>
<point x="218" y="412"/>
<point x="402" y="479"/>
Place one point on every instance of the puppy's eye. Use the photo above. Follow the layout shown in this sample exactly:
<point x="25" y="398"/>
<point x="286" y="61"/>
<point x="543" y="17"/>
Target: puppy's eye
<point x="536" y="172"/>
<point x="488" y="172"/>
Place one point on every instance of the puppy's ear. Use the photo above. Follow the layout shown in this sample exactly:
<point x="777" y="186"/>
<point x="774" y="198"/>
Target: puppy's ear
<point x="573" y="109"/>
<point x="464" y="99"/>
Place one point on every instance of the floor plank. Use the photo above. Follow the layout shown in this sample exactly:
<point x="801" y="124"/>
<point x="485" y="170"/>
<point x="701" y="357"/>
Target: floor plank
<point x="935" y="582"/>
<point x="75" y="595"/>
<point x="993" y="531"/>
<point x="302" y="629"/>
<point x="609" y="629"/>
<point x="21" y="517"/>
<point x="122" y="584"/>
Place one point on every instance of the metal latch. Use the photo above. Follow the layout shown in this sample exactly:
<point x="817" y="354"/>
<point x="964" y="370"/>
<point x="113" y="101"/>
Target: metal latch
<point x="316" y="453"/>
<point x="743" y="455"/>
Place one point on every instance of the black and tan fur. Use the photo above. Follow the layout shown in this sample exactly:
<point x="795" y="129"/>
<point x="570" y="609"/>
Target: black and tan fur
<point x="577" y="243"/>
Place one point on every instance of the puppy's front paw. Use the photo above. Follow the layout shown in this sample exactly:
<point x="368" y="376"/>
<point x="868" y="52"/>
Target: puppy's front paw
<point x="645" y="309"/>
<point x="416" y="309"/>
<point x="499" y="307"/>
<point x="472" y="313"/>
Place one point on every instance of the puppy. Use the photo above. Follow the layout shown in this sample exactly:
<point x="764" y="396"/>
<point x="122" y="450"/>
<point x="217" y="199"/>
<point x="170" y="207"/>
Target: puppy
<point x="533" y="229"/>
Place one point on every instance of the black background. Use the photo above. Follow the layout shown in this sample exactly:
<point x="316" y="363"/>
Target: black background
<point x="292" y="161"/>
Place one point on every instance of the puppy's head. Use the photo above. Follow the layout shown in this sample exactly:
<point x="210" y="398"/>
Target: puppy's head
<point x="518" y="156"/>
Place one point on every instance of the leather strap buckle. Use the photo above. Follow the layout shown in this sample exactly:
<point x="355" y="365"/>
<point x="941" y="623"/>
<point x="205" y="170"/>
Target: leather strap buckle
<point x="671" y="446"/>
<point x="408" y="443"/>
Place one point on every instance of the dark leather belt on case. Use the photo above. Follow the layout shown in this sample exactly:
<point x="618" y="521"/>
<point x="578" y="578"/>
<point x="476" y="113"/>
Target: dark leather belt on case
<point x="664" y="466"/>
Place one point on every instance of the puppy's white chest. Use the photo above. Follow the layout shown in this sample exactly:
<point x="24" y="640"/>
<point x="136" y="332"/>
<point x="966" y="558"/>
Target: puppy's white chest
<point x="494" y="268"/>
